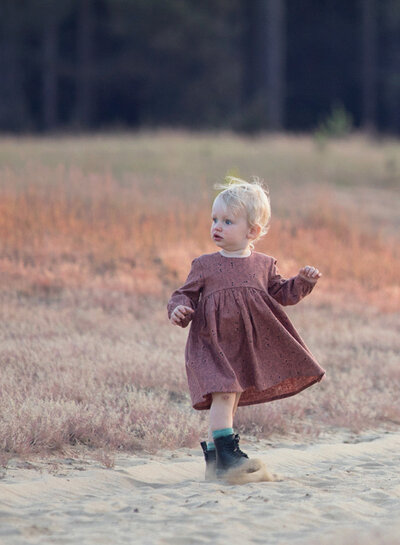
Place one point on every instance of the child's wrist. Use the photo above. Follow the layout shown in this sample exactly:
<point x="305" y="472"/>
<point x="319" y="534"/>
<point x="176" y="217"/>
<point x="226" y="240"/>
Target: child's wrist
<point x="308" y="279"/>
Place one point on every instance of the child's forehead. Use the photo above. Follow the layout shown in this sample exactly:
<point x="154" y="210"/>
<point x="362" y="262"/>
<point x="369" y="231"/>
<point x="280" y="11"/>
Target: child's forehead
<point x="220" y="207"/>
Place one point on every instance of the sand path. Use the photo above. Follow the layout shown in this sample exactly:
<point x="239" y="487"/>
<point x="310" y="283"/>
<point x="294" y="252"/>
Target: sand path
<point x="333" y="490"/>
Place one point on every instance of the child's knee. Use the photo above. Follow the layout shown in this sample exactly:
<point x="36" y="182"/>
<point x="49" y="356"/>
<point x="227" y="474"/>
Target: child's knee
<point x="224" y="397"/>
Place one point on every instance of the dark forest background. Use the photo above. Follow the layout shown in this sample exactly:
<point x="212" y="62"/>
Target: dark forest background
<point x="238" y="64"/>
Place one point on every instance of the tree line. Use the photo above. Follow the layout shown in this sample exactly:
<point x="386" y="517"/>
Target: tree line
<point x="241" y="64"/>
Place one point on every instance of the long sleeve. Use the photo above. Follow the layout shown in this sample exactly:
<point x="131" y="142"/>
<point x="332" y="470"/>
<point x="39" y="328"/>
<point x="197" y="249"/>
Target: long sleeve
<point x="287" y="292"/>
<point x="189" y="293"/>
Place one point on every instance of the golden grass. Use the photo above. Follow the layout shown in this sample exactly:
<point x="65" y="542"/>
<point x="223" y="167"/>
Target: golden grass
<point x="95" y="234"/>
<point x="80" y="227"/>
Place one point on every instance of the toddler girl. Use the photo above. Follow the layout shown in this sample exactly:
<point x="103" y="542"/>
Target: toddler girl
<point x="242" y="349"/>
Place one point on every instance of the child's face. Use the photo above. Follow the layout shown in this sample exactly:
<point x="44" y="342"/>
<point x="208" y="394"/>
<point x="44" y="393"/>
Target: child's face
<point x="230" y="231"/>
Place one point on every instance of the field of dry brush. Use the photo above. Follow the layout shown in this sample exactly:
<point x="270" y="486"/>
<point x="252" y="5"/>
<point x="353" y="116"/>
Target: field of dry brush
<point x="95" y="234"/>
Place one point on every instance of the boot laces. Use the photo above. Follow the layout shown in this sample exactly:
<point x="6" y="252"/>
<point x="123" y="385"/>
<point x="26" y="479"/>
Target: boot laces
<point x="236" y="448"/>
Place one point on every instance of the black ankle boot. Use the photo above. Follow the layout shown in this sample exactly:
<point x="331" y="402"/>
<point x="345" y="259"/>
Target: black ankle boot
<point x="229" y="454"/>
<point x="210" y="457"/>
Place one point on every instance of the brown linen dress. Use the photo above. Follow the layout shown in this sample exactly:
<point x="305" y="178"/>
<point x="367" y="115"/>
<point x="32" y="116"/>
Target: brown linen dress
<point x="240" y="338"/>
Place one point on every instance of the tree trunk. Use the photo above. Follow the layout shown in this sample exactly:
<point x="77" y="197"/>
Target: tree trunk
<point x="13" y="109"/>
<point x="391" y="55"/>
<point x="275" y="63"/>
<point x="369" y="64"/>
<point x="265" y="50"/>
<point x="49" y="91"/>
<point x="84" y="89"/>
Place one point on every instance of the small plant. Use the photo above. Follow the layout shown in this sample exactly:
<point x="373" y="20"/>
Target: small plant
<point x="338" y="124"/>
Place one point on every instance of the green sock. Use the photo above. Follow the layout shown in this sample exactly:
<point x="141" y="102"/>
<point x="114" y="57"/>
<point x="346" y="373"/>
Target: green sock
<point x="210" y="445"/>
<point x="222" y="433"/>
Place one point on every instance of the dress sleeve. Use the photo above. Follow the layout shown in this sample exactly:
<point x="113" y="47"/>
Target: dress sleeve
<point x="189" y="293"/>
<point x="287" y="292"/>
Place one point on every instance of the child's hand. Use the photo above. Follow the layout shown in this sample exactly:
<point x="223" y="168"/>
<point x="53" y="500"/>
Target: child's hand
<point x="179" y="314"/>
<point x="310" y="273"/>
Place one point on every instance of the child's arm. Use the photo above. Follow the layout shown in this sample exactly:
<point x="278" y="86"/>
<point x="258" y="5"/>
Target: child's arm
<point x="291" y="291"/>
<point x="184" y="300"/>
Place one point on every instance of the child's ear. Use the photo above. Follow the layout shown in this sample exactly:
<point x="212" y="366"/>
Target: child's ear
<point x="254" y="232"/>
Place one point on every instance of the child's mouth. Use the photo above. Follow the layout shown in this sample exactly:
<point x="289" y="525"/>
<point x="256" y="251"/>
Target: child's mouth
<point x="217" y="237"/>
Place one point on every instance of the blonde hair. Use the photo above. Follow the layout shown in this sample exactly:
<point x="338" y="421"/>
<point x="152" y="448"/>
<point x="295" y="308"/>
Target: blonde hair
<point x="253" y="197"/>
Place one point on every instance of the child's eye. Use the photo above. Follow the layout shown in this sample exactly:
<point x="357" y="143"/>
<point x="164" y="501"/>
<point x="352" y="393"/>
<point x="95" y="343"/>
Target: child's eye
<point x="214" y="220"/>
<point x="228" y="222"/>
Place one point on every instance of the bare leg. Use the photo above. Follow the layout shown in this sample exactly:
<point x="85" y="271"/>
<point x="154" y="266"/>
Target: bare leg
<point x="238" y="394"/>
<point x="221" y="412"/>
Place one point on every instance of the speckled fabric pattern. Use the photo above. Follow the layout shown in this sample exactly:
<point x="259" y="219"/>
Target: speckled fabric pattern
<point x="240" y="339"/>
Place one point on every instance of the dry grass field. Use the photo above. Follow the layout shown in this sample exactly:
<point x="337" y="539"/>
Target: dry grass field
<point x="95" y="234"/>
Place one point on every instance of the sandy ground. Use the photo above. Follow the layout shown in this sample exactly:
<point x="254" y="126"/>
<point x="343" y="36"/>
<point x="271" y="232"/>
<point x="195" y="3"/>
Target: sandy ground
<point x="336" y="489"/>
